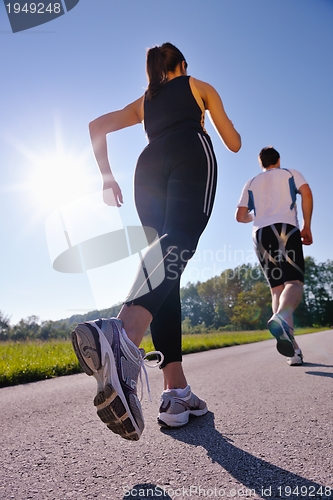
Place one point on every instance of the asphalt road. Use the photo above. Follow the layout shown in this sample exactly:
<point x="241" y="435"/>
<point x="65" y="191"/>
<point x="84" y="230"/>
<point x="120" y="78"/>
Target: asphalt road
<point x="268" y="433"/>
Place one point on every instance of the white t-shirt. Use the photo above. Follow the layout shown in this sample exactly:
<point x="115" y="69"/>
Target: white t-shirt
<point x="272" y="197"/>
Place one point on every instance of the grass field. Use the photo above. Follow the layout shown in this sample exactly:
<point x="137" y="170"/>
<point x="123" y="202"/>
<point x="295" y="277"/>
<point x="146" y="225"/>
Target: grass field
<point x="22" y="362"/>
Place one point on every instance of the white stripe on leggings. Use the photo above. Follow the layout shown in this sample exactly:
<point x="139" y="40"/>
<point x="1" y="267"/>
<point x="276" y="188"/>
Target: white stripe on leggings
<point x="210" y="174"/>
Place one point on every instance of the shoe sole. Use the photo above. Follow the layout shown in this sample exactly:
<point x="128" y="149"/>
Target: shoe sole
<point x="284" y="347"/>
<point x="110" y="402"/>
<point x="168" y="420"/>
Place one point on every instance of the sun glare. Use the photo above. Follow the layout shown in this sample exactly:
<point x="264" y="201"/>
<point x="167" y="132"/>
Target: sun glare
<point x="53" y="173"/>
<point x="57" y="179"/>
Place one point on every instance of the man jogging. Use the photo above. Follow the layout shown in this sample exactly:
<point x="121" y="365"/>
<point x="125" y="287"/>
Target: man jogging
<point x="271" y="197"/>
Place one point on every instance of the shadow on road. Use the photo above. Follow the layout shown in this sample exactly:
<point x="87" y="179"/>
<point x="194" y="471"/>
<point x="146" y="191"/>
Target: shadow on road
<point x="316" y="364"/>
<point x="266" y="479"/>
<point x="321" y="374"/>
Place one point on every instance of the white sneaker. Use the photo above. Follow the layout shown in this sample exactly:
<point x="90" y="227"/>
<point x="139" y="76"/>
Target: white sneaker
<point x="104" y="351"/>
<point x="297" y="359"/>
<point x="175" y="410"/>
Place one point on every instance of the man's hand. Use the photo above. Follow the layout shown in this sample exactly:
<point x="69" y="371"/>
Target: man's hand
<point x="306" y="236"/>
<point x="112" y="194"/>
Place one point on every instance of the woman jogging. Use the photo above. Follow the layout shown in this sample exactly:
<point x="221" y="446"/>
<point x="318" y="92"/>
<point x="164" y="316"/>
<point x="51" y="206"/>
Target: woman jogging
<point x="175" y="182"/>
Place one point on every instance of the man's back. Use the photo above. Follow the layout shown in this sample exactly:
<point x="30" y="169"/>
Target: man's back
<point x="271" y="194"/>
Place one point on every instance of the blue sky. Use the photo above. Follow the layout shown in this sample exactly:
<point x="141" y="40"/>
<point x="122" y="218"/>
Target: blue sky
<point x="271" y="62"/>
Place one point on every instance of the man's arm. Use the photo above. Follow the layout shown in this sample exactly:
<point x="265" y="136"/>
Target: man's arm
<point x="307" y="208"/>
<point x="243" y="215"/>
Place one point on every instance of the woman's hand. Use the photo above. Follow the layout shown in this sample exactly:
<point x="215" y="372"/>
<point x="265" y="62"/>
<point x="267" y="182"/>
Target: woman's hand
<point x="132" y="114"/>
<point x="112" y="194"/>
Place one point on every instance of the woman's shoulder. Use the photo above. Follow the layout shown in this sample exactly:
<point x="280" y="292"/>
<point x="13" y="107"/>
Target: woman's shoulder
<point x="200" y="84"/>
<point x="205" y="88"/>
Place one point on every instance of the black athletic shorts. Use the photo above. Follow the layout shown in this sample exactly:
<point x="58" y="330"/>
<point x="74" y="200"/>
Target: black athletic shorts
<point x="280" y="253"/>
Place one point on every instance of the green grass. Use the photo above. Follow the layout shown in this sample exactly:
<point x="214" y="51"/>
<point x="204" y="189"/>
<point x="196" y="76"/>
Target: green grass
<point x="22" y="362"/>
<point x="198" y="342"/>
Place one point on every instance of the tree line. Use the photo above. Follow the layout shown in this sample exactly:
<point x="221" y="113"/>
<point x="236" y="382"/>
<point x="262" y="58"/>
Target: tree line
<point x="238" y="299"/>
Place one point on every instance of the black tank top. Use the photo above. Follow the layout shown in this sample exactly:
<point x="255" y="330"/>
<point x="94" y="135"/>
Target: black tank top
<point x="173" y="108"/>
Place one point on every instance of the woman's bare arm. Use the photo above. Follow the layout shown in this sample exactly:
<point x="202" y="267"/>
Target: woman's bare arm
<point x="132" y="114"/>
<point x="218" y="116"/>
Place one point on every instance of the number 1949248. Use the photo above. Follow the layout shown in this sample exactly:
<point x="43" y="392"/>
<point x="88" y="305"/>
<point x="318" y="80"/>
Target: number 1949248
<point x="305" y="491"/>
<point x="33" y="8"/>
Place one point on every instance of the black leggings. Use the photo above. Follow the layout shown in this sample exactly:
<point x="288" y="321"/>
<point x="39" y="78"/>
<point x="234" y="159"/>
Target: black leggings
<point x="175" y="183"/>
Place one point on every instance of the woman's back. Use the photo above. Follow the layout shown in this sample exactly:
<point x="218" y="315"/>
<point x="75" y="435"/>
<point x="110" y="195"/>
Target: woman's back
<point x="174" y="107"/>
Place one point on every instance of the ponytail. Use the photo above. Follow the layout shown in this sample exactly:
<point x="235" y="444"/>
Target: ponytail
<point x="156" y="71"/>
<point x="160" y="60"/>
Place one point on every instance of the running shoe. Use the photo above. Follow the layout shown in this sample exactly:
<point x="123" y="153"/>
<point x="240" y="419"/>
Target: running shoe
<point x="106" y="353"/>
<point x="175" y="411"/>
<point x="283" y="334"/>
<point x="297" y="359"/>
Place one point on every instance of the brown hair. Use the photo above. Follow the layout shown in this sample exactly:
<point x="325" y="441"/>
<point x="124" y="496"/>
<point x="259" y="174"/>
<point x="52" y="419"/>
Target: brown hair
<point x="268" y="156"/>
<point x="160" y="60"/>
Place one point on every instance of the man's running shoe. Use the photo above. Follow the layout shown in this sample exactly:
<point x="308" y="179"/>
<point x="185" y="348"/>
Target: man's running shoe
<point x="297" y="359"/>
<point x="175" y="411"/>
<point x="282" y="332"/>
<point x="105" y="352"/>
